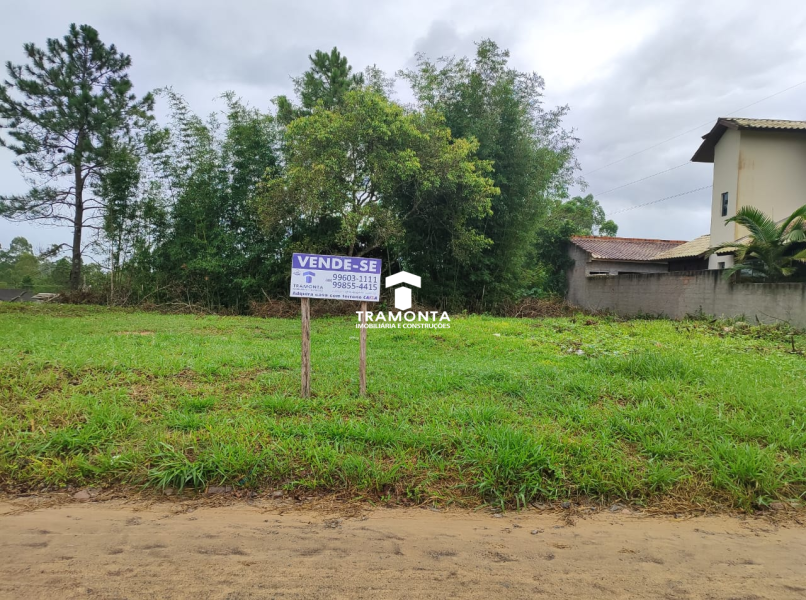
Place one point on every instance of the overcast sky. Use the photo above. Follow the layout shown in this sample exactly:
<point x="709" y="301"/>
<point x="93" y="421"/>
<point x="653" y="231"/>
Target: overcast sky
<point x="634" y="73"/>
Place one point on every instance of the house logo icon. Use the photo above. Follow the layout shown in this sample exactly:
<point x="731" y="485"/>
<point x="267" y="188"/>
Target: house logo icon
<point x="403" y="294"/>
<point x="309" y="275"/>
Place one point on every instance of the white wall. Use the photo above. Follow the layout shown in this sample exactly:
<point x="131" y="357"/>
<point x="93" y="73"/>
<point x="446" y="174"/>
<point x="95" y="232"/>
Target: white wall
<point x="715" y="259"/>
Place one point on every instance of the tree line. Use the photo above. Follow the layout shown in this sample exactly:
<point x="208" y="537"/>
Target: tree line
<point x="21" y="267"/>
<point x="467" y="185"/>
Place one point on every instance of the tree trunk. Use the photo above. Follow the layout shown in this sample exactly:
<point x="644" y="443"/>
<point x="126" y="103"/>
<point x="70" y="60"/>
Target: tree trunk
<point x="75" y="267"/>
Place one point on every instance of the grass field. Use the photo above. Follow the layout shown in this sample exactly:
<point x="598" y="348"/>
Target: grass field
<point x="500" y="410"/>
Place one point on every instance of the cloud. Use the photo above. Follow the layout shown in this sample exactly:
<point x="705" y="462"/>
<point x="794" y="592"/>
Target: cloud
<point x="702" y="62"/>
<point x="633" y="73"/>
<point x="445" y="39"/>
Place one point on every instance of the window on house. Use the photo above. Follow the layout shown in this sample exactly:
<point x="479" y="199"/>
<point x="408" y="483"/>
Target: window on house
<point x="721" y="265"/>
<point x="724" y="204"/>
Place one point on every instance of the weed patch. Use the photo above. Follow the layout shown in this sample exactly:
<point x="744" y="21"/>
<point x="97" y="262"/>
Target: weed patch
<point x="499" y="410"/>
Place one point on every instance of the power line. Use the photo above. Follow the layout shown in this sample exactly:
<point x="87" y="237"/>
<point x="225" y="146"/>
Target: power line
<point x="674" y="137"/>
<point x="688" y="162"/>
<point x="705" y="187"/>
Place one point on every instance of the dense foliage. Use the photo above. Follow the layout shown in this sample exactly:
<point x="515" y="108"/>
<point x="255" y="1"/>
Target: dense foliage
<point x="211" y="248"/>
<point x="577" y="216"/>
<point x="356" y="178"/>
<point x="771" y="251"/>
<point x="466" y="187"/>
<point x="533" y="162"/>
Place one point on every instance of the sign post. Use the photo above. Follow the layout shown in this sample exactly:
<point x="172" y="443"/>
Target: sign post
<point x="362" y="352"/>
<point x="305" y="310"/>
<point x="334" y="278"/>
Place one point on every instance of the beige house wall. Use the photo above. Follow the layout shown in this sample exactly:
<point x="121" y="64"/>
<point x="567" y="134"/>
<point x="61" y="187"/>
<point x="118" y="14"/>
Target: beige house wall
<point x="764" y="169"/>
<point x="726" y="179"/>
<point x="772" y="173"/>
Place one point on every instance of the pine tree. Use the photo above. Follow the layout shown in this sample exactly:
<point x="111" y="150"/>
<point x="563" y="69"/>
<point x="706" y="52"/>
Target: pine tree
<point x="328" y="79"/>
<point x="67" y="112"/>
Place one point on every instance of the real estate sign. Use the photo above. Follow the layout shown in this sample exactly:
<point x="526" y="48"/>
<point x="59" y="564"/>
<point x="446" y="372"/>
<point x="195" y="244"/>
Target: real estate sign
<point x="335" y="277"/>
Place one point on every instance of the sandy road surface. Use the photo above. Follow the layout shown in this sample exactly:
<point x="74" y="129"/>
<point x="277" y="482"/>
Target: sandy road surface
<point x="115" y="550"/>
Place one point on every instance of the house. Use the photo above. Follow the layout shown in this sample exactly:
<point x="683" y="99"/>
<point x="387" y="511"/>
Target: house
<point x="8" y="295"/>
<point x="616" y="255"/>
<point x="690" y="256"/>
<point x="609" y="256"/>
<point x="757" y="162"/>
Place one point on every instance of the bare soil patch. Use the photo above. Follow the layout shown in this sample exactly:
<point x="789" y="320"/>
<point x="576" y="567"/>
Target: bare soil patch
<point x="171" y="550"/>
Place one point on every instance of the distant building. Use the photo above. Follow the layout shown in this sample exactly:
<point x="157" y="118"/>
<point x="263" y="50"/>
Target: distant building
<point x="757" y="162"/>
<point x="26" y="296"/>
<point x="609" y="256"/>
<point x="16" y="295"/>
<point x="617" y="255"/>
<point x="689" y="256"/>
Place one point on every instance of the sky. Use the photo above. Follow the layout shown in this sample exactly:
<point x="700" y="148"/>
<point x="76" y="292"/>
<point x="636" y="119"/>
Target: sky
<point x="634" y="73"/>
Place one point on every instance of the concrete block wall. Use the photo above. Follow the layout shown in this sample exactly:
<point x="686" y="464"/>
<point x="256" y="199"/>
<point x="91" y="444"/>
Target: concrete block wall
<point x="682" y="293"/>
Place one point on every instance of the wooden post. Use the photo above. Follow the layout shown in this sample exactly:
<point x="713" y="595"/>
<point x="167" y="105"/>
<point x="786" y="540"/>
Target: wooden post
<point x="305" y="305"/>
<point x="362" y="361"/>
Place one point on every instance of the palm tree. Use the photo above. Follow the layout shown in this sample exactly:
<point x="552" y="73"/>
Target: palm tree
<point x="772" y="251"/>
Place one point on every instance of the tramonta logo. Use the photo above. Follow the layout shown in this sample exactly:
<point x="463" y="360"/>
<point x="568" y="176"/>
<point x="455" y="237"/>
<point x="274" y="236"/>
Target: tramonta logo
<point x="406" y="319"/>
<point x="403" y="294"/>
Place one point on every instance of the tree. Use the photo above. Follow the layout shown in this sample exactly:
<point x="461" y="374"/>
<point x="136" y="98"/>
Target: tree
<point x="772" y="251"/>
<point x="60" y="273"/>
<point x="211" y="248"/>
<point x="67" y="112"/>
<point x="118" y="191"/>
<point x="531" y="153"/>
<point x="357" y="177"/>
<point x="10" y="260"/>
<point x="585" y="214"/>
<point x="577" y="216"/>
<point x="19" y="246"/>
<point x="18" y="265"/>
<point x="328" y="79"/>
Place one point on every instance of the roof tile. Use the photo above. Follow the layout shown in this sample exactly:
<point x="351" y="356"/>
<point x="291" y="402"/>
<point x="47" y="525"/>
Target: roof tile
<point x="696" y="247"/>
<point x="615" y="248"/>
<point x="705" y="153"/>
<point x="766" y="123"/>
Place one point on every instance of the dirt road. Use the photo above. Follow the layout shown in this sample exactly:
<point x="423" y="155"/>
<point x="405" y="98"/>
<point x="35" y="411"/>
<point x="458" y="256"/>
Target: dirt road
<point x="116" y="550"/>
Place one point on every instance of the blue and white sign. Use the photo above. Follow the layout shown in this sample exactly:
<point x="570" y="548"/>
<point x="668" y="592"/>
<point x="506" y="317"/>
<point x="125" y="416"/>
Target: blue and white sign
<point x="335" y="277"/>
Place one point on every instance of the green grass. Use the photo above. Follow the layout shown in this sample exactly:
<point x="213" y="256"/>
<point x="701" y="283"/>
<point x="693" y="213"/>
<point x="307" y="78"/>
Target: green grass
<point x="505" y="411"/>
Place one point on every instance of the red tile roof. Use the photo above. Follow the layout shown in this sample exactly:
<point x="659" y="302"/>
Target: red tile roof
<point x="617" y="248"/>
